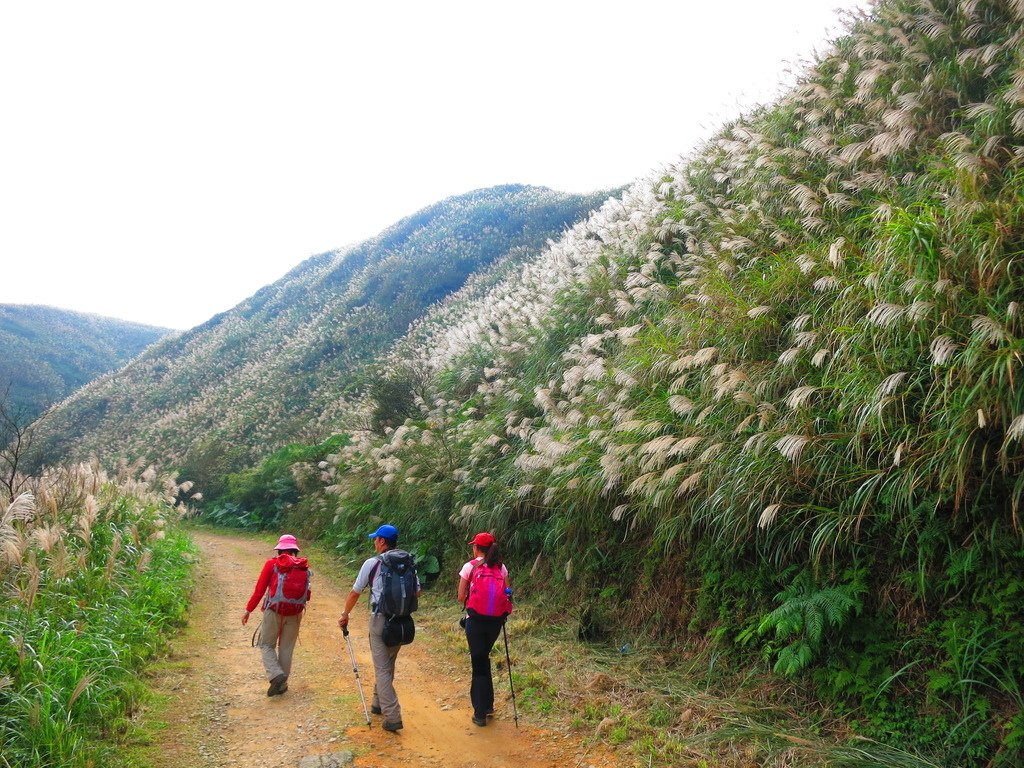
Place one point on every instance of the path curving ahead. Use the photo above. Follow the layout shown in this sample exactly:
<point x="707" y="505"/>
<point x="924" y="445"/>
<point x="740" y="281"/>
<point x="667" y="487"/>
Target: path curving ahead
<point x="220" y="715"/>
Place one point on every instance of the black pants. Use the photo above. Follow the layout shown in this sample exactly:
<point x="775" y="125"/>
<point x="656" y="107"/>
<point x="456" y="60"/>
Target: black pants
<point x="481" y="633"/>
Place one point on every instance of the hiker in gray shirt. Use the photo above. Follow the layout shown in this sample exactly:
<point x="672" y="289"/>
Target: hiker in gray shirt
<point x="371" y="573"/>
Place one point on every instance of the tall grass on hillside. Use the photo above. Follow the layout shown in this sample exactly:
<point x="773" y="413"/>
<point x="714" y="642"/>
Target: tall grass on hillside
<point x="92" y="581"/>
<point x="790" y="366"/>
<point x="278" y="367"/>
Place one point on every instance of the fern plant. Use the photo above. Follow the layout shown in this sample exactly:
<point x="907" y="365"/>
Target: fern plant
<point x="808" y="612"/>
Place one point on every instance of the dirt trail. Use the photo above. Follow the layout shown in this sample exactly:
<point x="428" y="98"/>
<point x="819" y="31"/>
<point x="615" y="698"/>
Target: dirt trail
<point x="221" y="716"/>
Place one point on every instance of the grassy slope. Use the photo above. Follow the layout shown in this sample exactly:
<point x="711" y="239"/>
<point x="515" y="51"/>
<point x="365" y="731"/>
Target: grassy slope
<point x="791" y="366"/>
<point x="275" y="368"/>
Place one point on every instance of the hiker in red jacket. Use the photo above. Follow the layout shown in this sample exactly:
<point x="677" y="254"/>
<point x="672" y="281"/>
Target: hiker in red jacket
<point x="283" y="586"/>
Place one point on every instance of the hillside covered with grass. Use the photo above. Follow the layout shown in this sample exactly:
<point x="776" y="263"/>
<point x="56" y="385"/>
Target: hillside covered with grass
<point x="48" y="353"/>
<point x="278" y="367"/>
<point x="760" y="418"/>
<point x="767" y="407"/>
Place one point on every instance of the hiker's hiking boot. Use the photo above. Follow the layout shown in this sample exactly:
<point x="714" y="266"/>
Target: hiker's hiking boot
<point x="481" y="721"/>
<point x="394" y="727"/>
<point x="278" y="685"/>
<point x="375" y="710"/>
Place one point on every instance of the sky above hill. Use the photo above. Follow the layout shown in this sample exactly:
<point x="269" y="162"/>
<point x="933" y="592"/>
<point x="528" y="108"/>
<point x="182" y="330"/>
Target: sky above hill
<point x="160" y="162"/>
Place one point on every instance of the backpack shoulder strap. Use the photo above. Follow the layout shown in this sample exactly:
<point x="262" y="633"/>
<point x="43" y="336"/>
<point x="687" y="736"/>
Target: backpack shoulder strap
<point x="274" y="586"/>
<point x="373" y="571"/>
<point x="469" y="580"/>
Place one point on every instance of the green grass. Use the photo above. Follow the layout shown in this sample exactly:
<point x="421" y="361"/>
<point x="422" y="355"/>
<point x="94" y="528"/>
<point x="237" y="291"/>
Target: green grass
<point x="102" y="609"/>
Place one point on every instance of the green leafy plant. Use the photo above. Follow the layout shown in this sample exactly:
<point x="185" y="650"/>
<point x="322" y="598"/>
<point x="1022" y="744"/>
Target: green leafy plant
<point x="99" y="579"/>
<point x="807" y="615"/>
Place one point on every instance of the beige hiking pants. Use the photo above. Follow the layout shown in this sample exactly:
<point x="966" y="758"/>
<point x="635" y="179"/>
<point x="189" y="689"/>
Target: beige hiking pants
<point x="384" y="695"/>
<point x="278" y="635"/>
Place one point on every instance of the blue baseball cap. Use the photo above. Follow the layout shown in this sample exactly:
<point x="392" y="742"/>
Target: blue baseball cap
<point x="385" y="532"/>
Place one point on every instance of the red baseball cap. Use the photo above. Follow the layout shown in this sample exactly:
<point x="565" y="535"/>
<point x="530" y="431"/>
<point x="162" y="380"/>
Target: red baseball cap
<point x="482" y="539"/>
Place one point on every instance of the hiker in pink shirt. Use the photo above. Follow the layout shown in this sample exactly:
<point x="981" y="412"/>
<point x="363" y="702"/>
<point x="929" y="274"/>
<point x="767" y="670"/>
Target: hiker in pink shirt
<point x="485" y="592"/>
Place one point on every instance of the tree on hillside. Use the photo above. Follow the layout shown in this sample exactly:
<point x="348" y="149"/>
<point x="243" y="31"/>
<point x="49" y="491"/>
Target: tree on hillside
<point x="395" y="392"/>
<point x="16" y="431"/>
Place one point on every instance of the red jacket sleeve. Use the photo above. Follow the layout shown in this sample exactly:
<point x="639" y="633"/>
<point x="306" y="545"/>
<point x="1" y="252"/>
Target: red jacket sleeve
<point x="261" y="585"/>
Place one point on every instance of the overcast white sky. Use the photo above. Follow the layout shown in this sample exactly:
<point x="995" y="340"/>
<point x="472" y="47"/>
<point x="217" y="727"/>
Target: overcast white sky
<point x="161" y="161"/>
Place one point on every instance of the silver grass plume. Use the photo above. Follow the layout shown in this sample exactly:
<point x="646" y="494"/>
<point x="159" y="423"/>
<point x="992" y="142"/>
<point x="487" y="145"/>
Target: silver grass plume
<point x="792" y="447"/>
<point x="115" y="550"/>
<point x="22" y="509"/>
<point x="768" y="515"/>
<point x="942" y="349"/>
<point x="27" y="593"/>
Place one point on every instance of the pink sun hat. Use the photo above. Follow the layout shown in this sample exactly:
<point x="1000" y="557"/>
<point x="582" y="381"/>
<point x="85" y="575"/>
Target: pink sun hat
<point x="286" y="542"/>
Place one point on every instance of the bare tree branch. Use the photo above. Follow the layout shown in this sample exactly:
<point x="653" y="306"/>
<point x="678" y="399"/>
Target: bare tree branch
<point x="16" y="432"/>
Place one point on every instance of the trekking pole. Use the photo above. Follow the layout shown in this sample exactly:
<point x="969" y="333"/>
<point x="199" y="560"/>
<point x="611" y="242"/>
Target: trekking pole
<point x="508" y="663"/>
<point x="359" y="683"/>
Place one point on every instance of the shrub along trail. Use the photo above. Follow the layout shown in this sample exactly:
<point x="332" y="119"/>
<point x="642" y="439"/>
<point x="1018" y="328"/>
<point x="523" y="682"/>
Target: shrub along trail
<point x="219" y="713"/>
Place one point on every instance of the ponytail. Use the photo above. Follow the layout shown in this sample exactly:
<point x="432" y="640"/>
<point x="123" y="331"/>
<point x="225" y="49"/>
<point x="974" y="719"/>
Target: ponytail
<point x="492" y="555"/>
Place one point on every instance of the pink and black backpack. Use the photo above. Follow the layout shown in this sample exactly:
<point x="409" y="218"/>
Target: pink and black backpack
<point x="488" y="592"/>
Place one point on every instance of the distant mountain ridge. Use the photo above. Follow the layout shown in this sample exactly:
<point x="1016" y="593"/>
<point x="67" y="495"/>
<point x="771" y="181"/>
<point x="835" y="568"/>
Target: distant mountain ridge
<point x="48" y="352"/>
<point x="278" y="367"/>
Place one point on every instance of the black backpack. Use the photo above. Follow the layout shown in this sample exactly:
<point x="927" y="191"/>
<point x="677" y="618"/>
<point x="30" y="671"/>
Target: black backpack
<point x="398" y="583"/>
